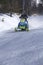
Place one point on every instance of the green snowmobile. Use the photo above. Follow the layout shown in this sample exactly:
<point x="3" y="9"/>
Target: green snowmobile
<point x="22" y="26"/>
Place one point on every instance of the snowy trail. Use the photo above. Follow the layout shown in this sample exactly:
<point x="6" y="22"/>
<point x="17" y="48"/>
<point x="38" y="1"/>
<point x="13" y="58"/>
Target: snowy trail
<point x="22" y="48"/>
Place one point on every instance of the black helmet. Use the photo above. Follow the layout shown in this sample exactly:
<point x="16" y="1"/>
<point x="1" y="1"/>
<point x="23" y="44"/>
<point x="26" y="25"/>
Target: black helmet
<point x="24" y="15"/>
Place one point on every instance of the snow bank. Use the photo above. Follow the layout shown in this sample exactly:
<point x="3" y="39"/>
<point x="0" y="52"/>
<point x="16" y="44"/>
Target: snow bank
<point x="7" y="22"/>
<point x="35" y="21"/>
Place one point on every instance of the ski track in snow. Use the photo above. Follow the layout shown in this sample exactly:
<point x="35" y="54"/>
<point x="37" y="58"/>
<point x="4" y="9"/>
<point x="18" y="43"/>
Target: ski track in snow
<point x="22" y="48"/>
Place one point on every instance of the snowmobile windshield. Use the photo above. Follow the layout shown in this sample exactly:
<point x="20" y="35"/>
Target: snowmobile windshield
<point x="22" y="20"/>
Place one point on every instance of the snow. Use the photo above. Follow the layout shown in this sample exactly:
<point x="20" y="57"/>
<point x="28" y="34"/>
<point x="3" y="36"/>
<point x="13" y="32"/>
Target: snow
<point x="9" y="22"/>
<point x="34" y="21"/>
<point x="21" y="48"/>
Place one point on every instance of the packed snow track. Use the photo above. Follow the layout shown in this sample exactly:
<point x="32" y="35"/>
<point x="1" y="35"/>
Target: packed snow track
<point x="21" y="48"/>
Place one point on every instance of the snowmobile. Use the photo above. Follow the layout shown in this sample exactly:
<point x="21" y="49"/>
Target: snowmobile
<point x="22" y="26"/>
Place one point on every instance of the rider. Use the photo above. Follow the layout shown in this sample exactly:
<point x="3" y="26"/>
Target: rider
<point x="23" y="18"/>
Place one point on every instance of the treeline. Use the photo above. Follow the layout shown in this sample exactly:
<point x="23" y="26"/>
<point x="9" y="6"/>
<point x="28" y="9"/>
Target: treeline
<point x="13" y="5"/>
<point x="10" y="5"/>
<point x="17" y="6"/>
